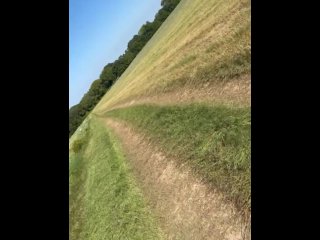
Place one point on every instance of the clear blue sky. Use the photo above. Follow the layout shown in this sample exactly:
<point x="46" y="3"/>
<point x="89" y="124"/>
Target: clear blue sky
<point x="99" y="31"/>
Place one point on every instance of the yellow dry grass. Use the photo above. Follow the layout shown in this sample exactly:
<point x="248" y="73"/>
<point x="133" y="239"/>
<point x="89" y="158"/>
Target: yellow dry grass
<point x="193" y="49"/>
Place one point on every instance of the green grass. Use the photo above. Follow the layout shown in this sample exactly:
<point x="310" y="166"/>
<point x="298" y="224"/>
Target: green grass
<point x="213" y="140"/>
<point x="104" y="201"/>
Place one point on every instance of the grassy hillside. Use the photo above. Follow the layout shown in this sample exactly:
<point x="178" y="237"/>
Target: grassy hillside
<point x="188" y="90"/>
<point x="202" y="45"/>
<point x="201" y="54"/>
<point x="214" y="141"/>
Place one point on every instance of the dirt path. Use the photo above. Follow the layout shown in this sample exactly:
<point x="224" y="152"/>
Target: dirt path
<point x="184" y="206"/>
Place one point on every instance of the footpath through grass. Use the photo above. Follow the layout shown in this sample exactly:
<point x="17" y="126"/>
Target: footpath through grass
<point x="104" y="201"/>
<point x="214" y="141"/>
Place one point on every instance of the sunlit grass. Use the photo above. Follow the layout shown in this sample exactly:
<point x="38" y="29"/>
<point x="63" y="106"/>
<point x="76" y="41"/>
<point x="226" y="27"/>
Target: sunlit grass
<point x="213" y="140"/>
<point x="202" y="41"/>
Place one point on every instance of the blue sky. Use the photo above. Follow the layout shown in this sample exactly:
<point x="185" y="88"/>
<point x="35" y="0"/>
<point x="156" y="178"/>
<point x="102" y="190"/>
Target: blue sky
<point x="99" y="31"/>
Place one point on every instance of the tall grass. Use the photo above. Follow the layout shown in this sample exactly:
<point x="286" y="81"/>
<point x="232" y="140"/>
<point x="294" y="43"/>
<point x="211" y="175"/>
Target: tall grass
<point x="213" y="140"/>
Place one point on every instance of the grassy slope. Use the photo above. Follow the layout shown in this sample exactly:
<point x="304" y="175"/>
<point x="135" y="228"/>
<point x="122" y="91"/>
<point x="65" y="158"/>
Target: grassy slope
<point x="214" y="141"/>
<point x="202" y="43"/>
<point x="105" y="202"/>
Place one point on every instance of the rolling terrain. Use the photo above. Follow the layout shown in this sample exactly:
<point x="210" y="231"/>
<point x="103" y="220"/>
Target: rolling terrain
<point x="166" y="153"/>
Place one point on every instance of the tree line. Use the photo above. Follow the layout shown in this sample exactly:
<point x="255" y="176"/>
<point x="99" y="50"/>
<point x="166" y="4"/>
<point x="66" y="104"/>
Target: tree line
<point x="112" y="71"/>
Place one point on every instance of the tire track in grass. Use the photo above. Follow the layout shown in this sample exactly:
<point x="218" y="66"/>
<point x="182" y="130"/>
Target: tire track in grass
<point x="185" y="207"/>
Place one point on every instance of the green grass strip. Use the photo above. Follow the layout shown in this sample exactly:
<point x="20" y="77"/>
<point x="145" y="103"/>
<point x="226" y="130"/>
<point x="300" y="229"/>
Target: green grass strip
<point x="104" y="201"/>
<point x="214" y="141"/>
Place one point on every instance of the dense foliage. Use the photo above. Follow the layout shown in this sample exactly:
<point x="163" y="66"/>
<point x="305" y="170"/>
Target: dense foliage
<point x="112" y="71"/>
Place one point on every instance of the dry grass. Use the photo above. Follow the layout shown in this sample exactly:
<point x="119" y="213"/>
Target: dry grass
<point x="186" y="208"/>
<point x="236" y="93"/>
<point x="202" y="53"/>
<point x="201" y="42"/>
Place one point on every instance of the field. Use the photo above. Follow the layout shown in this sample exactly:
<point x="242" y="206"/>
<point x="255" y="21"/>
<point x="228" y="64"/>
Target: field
<point x="204" y="45"/>
<point x="166" y="153"/>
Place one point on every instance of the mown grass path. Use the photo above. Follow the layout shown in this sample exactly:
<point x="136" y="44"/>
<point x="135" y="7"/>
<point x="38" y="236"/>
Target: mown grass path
<point x="104" y="200"/>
